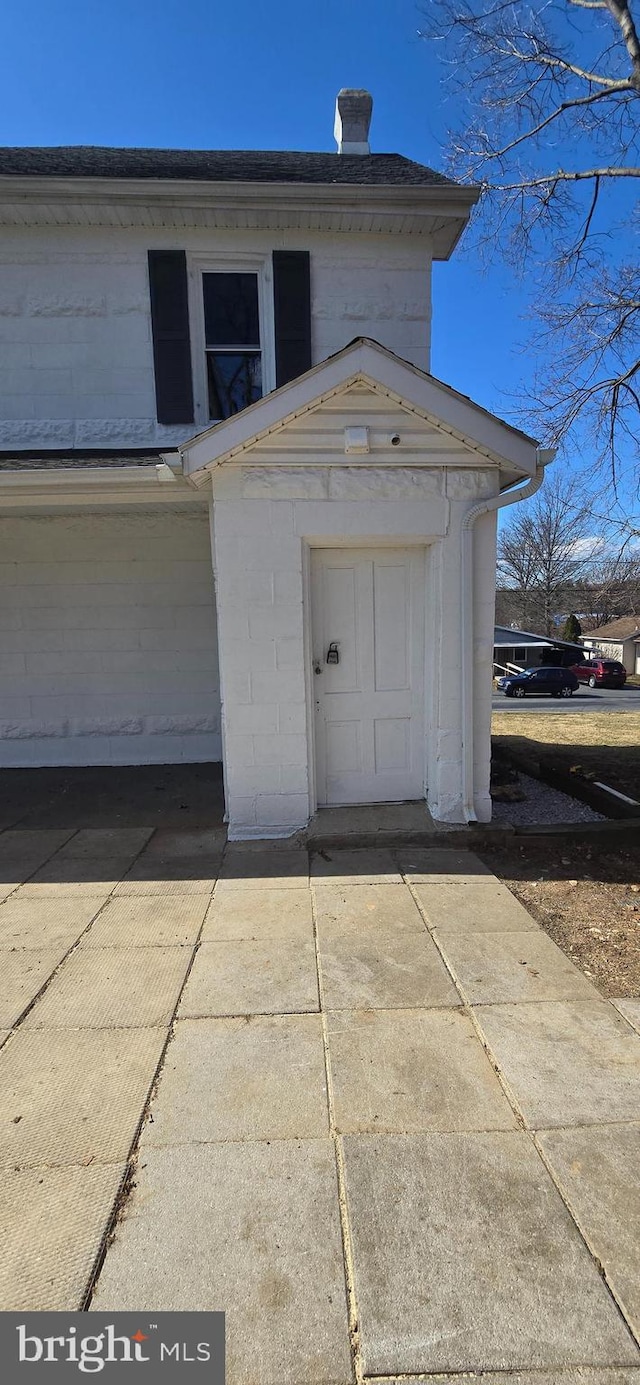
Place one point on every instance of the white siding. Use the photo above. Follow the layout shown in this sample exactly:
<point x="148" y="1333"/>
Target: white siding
<point x="76" y="360"/>
<point x="107" y="639"/>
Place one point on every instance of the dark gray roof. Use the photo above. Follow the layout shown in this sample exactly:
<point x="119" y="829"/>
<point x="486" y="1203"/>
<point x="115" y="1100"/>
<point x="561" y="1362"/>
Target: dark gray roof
<point x="507" y="635"/>
<point x="56" y="460"/>
<point x="218" y="166"/>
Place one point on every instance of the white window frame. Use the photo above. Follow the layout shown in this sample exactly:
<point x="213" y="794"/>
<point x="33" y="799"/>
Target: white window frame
<point x="228" y="262"/>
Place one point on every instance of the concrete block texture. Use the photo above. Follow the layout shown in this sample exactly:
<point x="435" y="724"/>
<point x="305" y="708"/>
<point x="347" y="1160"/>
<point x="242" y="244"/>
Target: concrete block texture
<point x="129" y="576"/>
<point x="482" y="1267"/>
<point x="272" y="1259"/>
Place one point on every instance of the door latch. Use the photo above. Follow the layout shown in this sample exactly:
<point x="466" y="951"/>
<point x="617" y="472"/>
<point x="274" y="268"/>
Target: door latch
<point x="333" y="654"/>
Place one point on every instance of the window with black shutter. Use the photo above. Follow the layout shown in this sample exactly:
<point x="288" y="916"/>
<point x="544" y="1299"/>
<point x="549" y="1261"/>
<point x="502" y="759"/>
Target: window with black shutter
<point x="250" y="329"/>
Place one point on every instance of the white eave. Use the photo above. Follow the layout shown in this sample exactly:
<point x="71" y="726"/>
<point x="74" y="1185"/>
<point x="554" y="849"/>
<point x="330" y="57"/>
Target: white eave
<point x="161" y="482"/>
<point x="367" y="363"/>
<point x="439" y="211"/>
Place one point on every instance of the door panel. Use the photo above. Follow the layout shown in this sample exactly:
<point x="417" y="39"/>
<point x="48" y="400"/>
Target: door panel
<point x="370" y="705"/>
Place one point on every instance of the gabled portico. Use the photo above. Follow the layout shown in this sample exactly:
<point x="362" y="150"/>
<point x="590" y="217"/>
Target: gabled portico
<point x="346" y="626"/>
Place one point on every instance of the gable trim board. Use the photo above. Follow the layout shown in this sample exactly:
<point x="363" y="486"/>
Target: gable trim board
<point x="365" y="363"/>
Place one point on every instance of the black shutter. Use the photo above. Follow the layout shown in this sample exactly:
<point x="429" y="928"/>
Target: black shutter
<point x="292" y="311"/>
<point x="170" y="327"/>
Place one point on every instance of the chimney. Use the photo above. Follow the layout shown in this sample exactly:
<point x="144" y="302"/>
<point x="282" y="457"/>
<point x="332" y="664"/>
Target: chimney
<point x="353" y="118"/>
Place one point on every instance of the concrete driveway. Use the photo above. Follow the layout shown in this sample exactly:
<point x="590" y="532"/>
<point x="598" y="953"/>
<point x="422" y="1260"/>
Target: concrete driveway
<point x="365" y="1106"/>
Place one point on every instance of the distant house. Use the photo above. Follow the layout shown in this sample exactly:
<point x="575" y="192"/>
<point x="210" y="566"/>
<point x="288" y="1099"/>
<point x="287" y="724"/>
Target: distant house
<point x="519" y="649"/>
<point x="620" y="640"/>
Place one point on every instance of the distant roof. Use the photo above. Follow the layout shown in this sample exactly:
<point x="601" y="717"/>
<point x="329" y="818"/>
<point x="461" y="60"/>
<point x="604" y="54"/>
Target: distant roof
<point x="621" y="629"/>
<point x="218" y="166"/>
<point x="508" y="635"/>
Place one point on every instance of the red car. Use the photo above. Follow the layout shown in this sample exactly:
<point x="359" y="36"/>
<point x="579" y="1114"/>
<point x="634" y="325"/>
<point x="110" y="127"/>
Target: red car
<point x="601" y="673"/>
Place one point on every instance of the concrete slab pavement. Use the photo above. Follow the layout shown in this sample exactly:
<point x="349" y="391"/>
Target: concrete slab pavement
<point x="466" y="1258"/>
<point x="459" y="1239"/>
<point x="598" y="1172"/>
<point x="261" y="1239"/>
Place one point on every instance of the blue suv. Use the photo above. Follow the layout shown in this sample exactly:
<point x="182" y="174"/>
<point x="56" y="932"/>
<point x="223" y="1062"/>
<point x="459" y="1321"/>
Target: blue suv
<point x="538" y="682"/>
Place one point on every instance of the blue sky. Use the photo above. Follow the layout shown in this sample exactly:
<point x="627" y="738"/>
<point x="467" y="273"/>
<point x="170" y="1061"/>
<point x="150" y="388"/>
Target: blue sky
<point x="199" y="74"/>
<point x="196" y="73"/>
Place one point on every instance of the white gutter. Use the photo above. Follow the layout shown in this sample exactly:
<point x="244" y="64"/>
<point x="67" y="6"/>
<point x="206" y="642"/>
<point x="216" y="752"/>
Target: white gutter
<point x="497" y="502"/>
<point x="73" y="476"/>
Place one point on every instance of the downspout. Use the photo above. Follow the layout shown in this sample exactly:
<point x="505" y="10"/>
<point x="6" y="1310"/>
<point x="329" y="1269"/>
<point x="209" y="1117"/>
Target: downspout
<point x="497" y="502"/>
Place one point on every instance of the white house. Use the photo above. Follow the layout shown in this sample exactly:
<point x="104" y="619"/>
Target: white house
<point x="239" y="519"/>
<point x="619" y="640"/>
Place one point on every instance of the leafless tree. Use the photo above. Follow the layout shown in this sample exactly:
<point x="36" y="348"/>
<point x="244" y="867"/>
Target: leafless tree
<point x="548" y="95"/>
<point x="543" y="550"/>
<point x="611" y="586"/>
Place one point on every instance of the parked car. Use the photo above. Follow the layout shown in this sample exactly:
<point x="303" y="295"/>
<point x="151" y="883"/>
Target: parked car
<point x="601" y="673"/>
<point x="536" y="682"/>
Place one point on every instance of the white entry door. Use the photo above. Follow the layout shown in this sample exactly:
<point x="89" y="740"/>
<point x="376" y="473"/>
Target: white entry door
<point x="368" y="608"/>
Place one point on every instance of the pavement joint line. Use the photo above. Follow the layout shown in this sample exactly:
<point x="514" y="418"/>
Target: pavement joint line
<point x="46" y="984"/>
<point x="73" y="832"/>
<point x="552" y="1373"/>
<point x="524" y="1128"/>
<point x="468" y="1009"/>
<point x="576" y="1220"/>
<point x="634" y="1025"/>
<point x="345" y="1228"/>
<point x="127" y="1184"/>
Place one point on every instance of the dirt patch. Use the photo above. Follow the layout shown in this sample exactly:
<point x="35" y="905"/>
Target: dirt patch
<point x="587" y="899"/>
<point x="596" y="745"/>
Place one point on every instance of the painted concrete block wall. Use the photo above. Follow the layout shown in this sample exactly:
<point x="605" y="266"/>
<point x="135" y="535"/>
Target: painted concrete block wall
<point x="76" y="360"/>
<point x="108" y="646"/>
<point x="260" y="549"/>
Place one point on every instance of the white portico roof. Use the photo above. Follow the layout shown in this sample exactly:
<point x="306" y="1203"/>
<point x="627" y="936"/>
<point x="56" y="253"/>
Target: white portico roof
<point x="366" y="369"/>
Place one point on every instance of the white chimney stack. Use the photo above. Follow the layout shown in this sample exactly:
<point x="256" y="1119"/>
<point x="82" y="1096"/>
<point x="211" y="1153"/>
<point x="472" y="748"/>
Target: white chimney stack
<point x="353" y="118"/>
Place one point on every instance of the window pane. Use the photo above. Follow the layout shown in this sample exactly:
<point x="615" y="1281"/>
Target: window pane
<point x="235" y="380"/>
<point x="231" y="309"/>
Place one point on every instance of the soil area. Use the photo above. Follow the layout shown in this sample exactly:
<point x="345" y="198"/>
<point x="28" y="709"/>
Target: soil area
<point x="587" y="898"/>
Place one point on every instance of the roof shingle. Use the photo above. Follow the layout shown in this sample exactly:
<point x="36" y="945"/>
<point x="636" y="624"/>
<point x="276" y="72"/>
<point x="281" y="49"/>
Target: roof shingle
<point x="621" y="629"/>
<point x="218" y="166"/>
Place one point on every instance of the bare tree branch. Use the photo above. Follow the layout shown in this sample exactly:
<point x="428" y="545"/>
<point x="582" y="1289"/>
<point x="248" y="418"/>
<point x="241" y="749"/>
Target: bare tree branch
<point x="548" y="94"/>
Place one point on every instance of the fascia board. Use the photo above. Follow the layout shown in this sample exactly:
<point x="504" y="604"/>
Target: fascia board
<point x="438" y="198"/>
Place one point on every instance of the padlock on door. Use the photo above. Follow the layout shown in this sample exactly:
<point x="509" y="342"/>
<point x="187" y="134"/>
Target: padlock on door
<point x="333" y="653"/>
